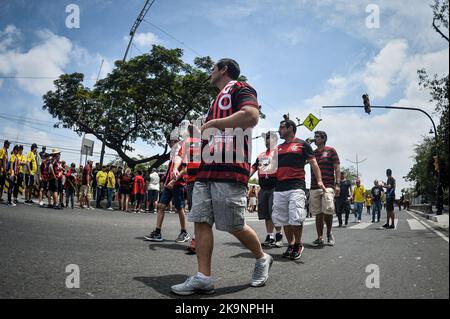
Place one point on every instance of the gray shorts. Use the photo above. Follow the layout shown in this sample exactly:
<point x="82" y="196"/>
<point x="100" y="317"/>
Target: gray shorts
<point x="221" y="203"/>
<point x="265" y="203"/>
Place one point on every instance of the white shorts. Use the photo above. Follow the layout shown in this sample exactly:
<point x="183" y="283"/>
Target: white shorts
<point x="253" y="201"/>
<point x="289" y="207"/>
<point x="320" y="202"/>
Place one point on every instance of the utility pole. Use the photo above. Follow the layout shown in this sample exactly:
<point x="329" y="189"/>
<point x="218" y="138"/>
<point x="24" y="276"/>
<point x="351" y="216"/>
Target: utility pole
<point x="136" y="24"/>
<point x="84" y="134"/>
<point x="357" y="164"/>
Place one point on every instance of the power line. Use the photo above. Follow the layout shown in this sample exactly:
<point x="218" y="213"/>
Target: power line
<point x="171" y="36"/>
<point x="38" y="78"/>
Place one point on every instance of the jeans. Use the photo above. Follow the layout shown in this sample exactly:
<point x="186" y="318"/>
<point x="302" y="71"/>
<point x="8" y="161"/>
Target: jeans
<point x="70" y="192"/>
<point x="376" y="208"/>
<point x="358" y="210"/>
<point x="110" y="197"/>
<point x="100" y="194"/>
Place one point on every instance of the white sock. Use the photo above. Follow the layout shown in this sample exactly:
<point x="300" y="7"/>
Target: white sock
<point x="201" y="275"/>
<point x="270" y="235"/>
<point x="262" y="259"/>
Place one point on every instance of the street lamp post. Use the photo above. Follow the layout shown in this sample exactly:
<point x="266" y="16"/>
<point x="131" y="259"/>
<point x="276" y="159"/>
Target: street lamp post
<point x="357" y="164"/>
<point x="367" y="107"/>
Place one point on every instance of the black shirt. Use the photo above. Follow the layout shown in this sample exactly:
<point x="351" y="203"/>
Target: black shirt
<point x="376" y="193"/>
<point x="345" y="189"/>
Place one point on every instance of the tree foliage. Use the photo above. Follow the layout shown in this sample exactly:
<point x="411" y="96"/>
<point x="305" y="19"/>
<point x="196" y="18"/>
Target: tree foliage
<point x="423" y="172"/>
<point x="144" y="99"/>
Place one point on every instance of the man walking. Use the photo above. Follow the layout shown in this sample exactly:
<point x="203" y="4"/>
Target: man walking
<point x="31" y="172"/>
<point x="376" y="194"/>
<point x="289" y="197"/>
<point x="358" y="199"/>
<point x="390" y="199"/>
<point x="322" y="202"/>
<point x="266" y="164"/>
<point x="343" y="200"/>
<point x="219" y="194"/>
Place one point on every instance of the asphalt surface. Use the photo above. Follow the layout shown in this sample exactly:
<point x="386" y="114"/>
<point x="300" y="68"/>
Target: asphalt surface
<point x="37" y="244"/>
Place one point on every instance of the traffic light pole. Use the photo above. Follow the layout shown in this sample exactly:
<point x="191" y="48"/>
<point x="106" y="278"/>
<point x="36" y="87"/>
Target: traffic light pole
<point x="439" y="190"/>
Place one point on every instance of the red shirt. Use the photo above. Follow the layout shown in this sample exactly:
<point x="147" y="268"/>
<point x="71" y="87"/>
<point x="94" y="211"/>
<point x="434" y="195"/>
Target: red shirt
<point x="326" y="159"/>
<point x="267" y="170"/>
<point x="177" y="150"/>
<point x="86" y="172"/>
<point x="191" y="155"/>
<point x="292" y="158"/>
<point x="230" y="100"/>
<point x="138" y="185"/>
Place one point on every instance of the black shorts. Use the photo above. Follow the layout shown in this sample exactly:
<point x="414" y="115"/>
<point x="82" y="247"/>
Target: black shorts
<point x="390" y="205"/>
<point x="53" y="185"/>
<point x="139" y="197"/>
<point x="60" y="186"/>
<point x="29" y="180"/>
<point x="43" y="185"/>
<point x="152" y="195"/>
<point x="265" y="203"/>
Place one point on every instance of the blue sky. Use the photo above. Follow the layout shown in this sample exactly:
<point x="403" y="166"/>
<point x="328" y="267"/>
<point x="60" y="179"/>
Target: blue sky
<point x="298" y="54"/>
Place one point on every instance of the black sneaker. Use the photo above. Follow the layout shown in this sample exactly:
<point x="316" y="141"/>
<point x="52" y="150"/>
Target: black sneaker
<point x="154" y="236"/>
<point x="182" y="237"/>
<point x="288" y="252"/>
<point x="268" y="242"/>
<point x="278" y="240"/>
<point x="296" y="253"/>
<point x="317" y="242"/>
<point x="391" y="227"/>
<point x="386" y="226"/>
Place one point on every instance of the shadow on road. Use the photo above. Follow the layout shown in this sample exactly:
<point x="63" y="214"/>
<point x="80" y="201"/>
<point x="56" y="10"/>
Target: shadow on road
<point x="173" y="246"/>
<point x="162" y="285"/>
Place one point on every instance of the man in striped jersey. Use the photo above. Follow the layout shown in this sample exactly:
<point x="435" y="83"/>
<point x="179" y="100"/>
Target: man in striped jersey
<point x="219" y="195"/>
<point x="289" y="199"/>
<point x="321" y="202"/>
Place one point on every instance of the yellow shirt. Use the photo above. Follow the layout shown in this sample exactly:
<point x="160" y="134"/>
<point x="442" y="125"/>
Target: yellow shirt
<point x="358" y="194"/>
<point x="22" y="162"/>
<point x="3" y="157"/>
<point x="13" y="166"/>
<point x="33" y="164"/>
<point x="101" y="178"/>
<point x="368" y="201"/>
<point x="111" y="180"/>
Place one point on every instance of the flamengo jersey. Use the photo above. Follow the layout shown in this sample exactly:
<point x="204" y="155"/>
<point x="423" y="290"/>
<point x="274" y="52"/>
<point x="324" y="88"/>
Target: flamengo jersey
<point x="177" y="150"/>
<point x="326" y="159"/>
<point x="267" y="169"/>
<point x="230" y="100"/>
<point x="292" y="158"/>
<point x="193" y="147"/>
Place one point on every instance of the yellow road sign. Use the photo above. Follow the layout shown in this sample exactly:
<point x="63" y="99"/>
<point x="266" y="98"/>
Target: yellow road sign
<point x="311" y="122"/>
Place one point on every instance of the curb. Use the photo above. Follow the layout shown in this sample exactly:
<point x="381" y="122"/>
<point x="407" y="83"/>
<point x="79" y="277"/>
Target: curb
<point x="425" y="215"/>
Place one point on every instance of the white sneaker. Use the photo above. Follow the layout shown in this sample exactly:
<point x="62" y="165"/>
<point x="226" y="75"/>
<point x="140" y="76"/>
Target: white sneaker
<point x="110" y="208"/>
<point x="194" y="285"/>
<point x="261" y="271"/>
<point x="41" y="203"/>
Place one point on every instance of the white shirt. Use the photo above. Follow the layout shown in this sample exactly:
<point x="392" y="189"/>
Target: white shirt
<point x="154" y="182"/>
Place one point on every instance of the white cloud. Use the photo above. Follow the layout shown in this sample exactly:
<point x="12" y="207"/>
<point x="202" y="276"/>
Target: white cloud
<point x="46" y="59"/>
<point x="383" y="71"/>
<point x="294" y="37"/>
<point x="144" y="40"/>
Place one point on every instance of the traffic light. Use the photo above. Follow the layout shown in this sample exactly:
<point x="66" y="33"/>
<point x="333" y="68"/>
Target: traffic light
<point x="366" y="103"/>
<point x="436" y="163"/>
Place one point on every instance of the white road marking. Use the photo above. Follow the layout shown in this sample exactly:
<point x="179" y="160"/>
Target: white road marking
<point x="362" y="225"/>
<point x="415" y="225"/>
<point x="433" y="230"/>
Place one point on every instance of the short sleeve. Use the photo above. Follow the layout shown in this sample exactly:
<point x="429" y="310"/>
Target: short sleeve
<point x="308" y="152"/>
<point x="244" y="96"/>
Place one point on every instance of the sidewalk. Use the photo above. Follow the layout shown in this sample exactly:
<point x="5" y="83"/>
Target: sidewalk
<point x="441" y="220"/>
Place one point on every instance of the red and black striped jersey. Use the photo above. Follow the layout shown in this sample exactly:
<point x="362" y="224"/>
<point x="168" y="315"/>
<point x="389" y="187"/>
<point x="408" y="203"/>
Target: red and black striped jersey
<point x="230" y="100"/>
<point x="326" y="159"/>
<point x="177" y="150"/>
<point x="192" y="157"/>
<point x="266" y="165"/>
<point x="292" y="158"/>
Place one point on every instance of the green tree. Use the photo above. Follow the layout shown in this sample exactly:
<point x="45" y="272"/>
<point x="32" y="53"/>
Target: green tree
<point x="144" y="99"/>
<point x="423" y="172"/>
<point x="350" y="174"/>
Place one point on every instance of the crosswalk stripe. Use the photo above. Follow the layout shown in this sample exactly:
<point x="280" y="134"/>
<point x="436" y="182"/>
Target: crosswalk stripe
<point x="362" y="225"/>
<point x="415" y="225"/>
<point x="396" y="222"/>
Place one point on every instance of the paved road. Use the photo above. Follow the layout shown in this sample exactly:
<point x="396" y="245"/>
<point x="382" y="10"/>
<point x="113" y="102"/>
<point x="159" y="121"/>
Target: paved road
<point x="38" y="244"/>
